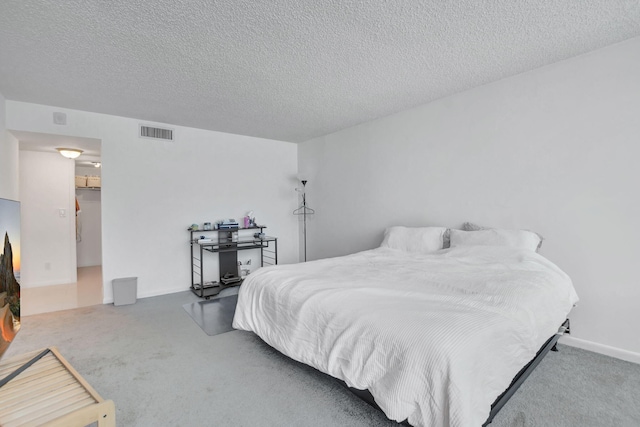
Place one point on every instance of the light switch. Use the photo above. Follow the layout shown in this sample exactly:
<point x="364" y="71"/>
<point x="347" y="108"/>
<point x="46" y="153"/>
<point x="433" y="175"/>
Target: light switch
<point x="62" y="212"/>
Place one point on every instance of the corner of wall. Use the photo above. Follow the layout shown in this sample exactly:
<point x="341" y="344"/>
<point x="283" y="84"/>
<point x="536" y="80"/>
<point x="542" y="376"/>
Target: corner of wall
<point x="8" y="158"/>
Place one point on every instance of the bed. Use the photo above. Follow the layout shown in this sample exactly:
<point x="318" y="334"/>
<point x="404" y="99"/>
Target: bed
<point x="434" y="335"/>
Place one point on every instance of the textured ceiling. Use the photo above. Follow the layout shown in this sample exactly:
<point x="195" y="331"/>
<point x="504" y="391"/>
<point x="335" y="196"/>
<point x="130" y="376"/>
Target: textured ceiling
<point x="284" y="69"/>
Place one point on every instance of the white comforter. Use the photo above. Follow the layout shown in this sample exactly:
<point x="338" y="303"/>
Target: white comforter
<point x="434" y="338"/>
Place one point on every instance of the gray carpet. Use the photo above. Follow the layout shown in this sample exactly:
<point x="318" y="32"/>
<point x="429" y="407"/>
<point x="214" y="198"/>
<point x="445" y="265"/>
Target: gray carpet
<point x="215" y="315"/>
<point x="162" y="369"/>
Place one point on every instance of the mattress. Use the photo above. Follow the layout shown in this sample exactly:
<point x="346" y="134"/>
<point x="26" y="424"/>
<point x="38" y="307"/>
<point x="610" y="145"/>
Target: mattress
<point x="435" y="338"/>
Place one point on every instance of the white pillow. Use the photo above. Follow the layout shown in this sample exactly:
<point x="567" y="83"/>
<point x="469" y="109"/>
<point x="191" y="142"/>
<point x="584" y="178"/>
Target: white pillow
<point x="470" y="226"/>
<point x="496" y="237"/>
<point x="414" y="239"/>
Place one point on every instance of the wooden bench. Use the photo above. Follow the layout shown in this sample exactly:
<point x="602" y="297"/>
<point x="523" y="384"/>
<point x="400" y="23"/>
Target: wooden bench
<point x="50" y="393"/>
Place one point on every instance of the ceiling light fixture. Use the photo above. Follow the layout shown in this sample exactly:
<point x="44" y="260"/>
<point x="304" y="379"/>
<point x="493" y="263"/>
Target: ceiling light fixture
<point x="96" y="164"/>
<point x="69" y="153"/>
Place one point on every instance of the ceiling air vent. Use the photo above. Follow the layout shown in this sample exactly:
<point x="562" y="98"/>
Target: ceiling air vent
<point x="156" y="133"/>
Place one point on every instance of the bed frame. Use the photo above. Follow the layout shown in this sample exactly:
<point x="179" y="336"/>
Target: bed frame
<point x="42" y="389"/>
<point x="550" y="345"/>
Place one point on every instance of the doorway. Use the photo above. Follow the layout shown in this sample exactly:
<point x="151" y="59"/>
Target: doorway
<point x="88" y="185"/>
<point x="61" y="225"/>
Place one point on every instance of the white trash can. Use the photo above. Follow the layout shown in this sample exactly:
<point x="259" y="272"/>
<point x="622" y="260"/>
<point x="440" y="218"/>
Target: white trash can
<point x="125" y="290"/>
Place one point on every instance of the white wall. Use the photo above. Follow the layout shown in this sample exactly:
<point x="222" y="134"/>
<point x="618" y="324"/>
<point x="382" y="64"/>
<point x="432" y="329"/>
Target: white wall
<point x="8" y="159"/>
<point x="152" y="191"/>
<point x="89" y="248"/>
<point x="554" y="150"/>
<point x="48" y="250"/>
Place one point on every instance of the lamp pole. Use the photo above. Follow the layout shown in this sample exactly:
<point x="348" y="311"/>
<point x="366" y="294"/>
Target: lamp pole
<point x="304" y="217"/>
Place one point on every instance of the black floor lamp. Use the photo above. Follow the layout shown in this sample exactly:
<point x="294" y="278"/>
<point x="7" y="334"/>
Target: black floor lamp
<point x="304" y="210"/>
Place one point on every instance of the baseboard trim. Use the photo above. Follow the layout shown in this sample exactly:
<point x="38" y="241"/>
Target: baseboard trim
<point x="109" y="300"/>
<point x="618" y="353"/>
<point x="33" y="285"/>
